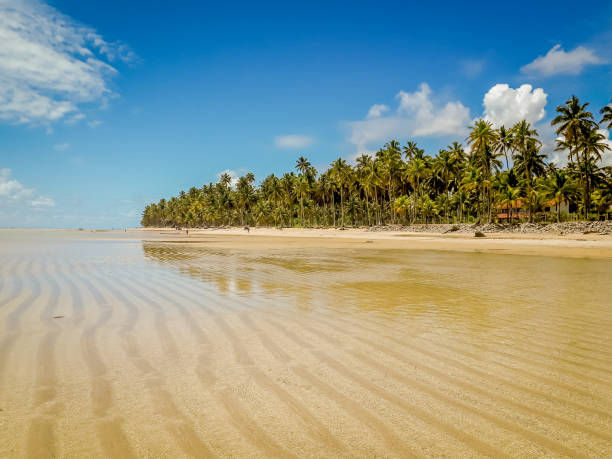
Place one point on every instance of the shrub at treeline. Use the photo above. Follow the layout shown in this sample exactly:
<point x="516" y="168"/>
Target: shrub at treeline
<point x="502" y="169"/>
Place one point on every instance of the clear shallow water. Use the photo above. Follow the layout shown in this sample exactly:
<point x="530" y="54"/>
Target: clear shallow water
<point x="171" y="349"/>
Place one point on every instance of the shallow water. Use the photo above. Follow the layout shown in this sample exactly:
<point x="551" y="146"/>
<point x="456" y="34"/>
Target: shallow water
<point x="110" y="346"/>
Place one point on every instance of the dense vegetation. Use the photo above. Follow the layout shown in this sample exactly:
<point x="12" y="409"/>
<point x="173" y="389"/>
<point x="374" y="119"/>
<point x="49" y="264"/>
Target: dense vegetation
<point x="500" y="169"/>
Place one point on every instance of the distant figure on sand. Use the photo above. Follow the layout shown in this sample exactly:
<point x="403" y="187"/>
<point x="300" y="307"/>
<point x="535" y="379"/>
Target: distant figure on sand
<point x="187" y="232"/>
<point x="246" y="228"/>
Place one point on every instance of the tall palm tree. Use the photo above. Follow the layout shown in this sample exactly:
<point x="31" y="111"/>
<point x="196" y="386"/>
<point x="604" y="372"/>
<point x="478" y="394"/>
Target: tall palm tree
<point x="607" y="115"/>
<point x="560" y="188"/>
<point x="225" y="179"/>
<point x="390" y="159"/>
<point x="482" y="138"/>
<point x="504" y="143"/>
<point x="341" y="171"/>
<point x="287" y="182"/>
<point x="302" y="189"/>
<point x="530" y="162"/>
<point x="411" y="150"/>
<point x="592" y="145"/>
<point x="302" y="165"/>
<point x="368" y="177"/>
<point x="573" y="121"/>
<point x="451" y="184"/>
<point x="445" y="164"/>
<point x="523" y="136"/>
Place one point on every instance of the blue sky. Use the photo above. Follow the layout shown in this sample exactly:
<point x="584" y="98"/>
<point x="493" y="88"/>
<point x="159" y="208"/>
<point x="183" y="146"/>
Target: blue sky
<point x="105" y="107"/>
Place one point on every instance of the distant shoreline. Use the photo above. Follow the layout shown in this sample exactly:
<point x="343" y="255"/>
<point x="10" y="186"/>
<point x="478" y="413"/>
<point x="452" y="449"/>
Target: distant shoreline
<point x="596" y="245"/>
<point x="576" y="245"/>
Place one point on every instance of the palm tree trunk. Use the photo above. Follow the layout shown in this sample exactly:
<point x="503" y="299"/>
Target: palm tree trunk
<point x="342" y="205"/>
<point x="334" y="207"/>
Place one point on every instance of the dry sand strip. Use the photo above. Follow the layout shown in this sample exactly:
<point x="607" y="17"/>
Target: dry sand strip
<point x="570" y="245"/>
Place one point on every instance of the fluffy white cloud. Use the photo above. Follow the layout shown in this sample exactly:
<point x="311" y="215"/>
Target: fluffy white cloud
<point x="49" y="64"/>
<point x="504" y="105"/>
<point x="293" y="141"/>
<point x="11" y="188"/>
<point x="416" y="115"/>
<point x="377" y="110"/>
<point x="43" y="201"/>
<point x="557" y="61"/>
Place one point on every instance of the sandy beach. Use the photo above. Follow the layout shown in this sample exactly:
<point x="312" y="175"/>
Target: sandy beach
<point x="545" y="244"/>
<point x="120" y="344"/>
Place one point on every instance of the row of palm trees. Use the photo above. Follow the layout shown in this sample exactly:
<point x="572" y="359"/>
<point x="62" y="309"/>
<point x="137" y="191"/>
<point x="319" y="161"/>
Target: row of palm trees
<point x="501" y="168"/>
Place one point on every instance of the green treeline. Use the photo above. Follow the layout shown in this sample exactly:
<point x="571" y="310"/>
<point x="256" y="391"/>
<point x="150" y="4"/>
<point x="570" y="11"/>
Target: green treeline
<point x="499" y="169"/>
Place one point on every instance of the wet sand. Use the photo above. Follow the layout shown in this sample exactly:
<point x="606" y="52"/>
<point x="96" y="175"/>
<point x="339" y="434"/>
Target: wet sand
<point x="111" y="346"/>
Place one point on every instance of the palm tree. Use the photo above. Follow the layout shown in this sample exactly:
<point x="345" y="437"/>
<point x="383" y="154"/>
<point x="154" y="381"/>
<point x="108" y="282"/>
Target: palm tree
<point x="390" y="160"/>
<point x="368" y="177"/>
<point x="530" y="162"/>
<point x="473" y="180"/>
<point x="482" y="138"/>
<point x="523" y="136"/>
<point x="607" y="115"/>
<point x="402" y="205"/>
<point x="411" y="150"/>
<point x="445" y="164"/>
<point x="508" y="196"/>
<point x="560" y="189"/>
<point x="225" y="179"/>
<point x="446" y="186"/>
<point x="416" y="172"/>
<point x="341" y="171"/>
<point x="287" y="184"/>
<point x="504" y="143"/>
<point x="302" y="189"/>
<point x="572" y="122"/>
<point x="302" y="165"/>
<point x="592" y="145"/>
<point x="536" y="199"/>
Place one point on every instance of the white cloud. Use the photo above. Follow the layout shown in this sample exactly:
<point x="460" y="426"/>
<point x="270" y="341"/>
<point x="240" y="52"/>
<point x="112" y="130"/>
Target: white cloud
<point x="471" y="68"/>
<point x="61" y="146"/>
<point x="75" y="119"/>
<point x="377" y="110"/>
<point x="14" y="195"/>
<point x="293" y="141"/>
<point x="43" y="201"/>
<point x="504" y="105"/>
<point x="416" y="115"/>
<point x="49" y="64"/>
<point x="11" y="188"/>
<point x="94" y="123"/>
<point x="557" y="62"/>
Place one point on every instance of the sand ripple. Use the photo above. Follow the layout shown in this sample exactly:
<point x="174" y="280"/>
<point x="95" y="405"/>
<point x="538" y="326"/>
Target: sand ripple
<point x="129" y="349"/>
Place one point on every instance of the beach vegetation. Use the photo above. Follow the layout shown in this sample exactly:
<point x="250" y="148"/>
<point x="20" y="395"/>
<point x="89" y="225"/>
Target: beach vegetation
<point x="495" y="174"/>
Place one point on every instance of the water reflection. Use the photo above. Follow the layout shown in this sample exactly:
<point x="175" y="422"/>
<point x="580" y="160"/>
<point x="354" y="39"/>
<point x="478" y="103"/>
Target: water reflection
<point x="471" y="290"/>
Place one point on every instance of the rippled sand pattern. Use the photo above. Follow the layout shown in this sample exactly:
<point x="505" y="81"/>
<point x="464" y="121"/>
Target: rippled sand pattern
<point x="123" y="348"/>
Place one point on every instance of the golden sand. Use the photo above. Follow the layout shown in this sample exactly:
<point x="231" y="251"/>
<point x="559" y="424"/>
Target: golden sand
<point x="567" y="245"/>
<point x="115" y="347"/>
